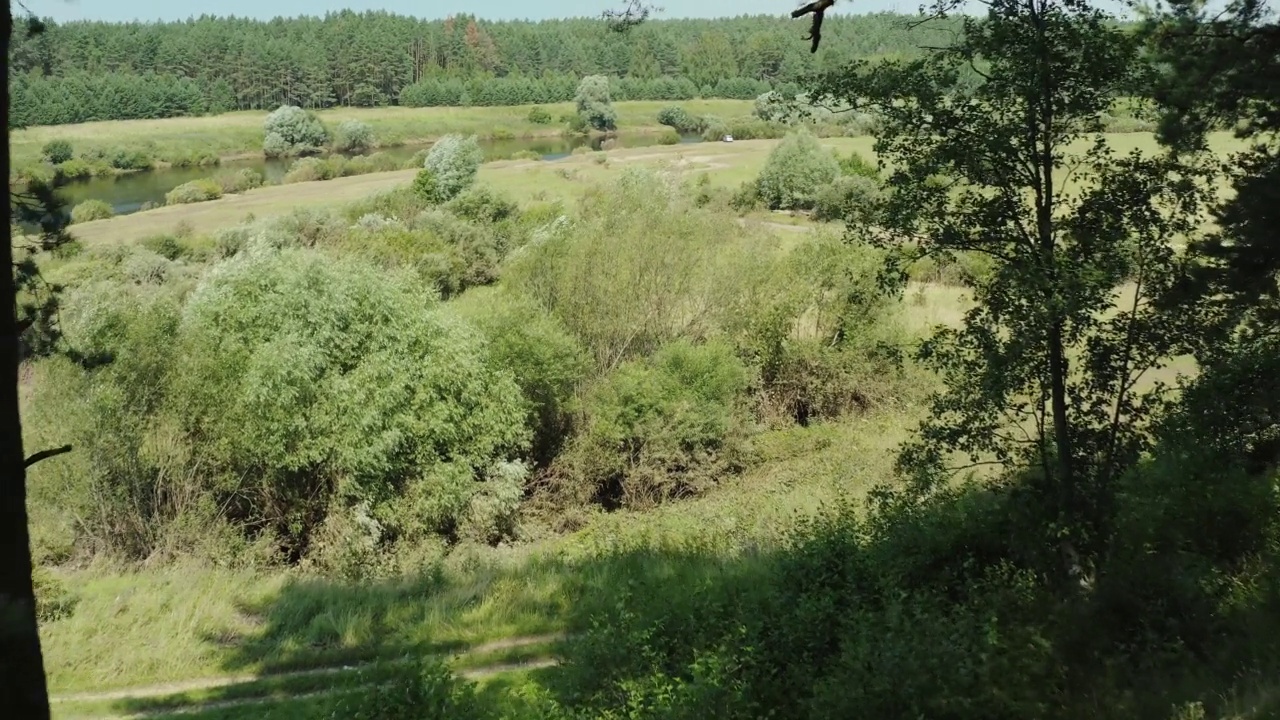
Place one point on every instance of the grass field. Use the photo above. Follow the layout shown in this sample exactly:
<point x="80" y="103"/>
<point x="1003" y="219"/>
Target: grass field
<point x="240" y="133"/>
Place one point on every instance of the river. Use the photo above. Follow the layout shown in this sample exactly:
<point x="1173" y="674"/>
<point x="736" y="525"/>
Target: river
<point x="127" y="193"/>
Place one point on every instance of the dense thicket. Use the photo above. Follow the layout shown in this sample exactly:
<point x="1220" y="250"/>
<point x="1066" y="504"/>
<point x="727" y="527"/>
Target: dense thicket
<point x="85" y="71"/>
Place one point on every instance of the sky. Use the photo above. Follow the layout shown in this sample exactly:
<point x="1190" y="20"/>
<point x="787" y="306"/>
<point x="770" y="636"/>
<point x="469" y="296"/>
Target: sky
<point x="124" y="10"/>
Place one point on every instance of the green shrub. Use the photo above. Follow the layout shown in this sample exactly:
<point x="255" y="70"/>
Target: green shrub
<point x="418" y="689"/>
<point x="659" y="429"/>
<point x="547" y="362"/>
<point x="624" y="274"/>
<point x="166" y="246"/>
<point x="353" y="136"/>
<point x="454" y="162"/>
<point x="364" y="164"/>
<point x="669" y="137"/>
<point x="594" y="104"/>
<point x="526" y="155"/>
<point x="770" y="107"/>
<point x="238" y="181"/>
<point x="194" y="158"/>
<point x="57" y="151"/>
<point x="795" y="171"/>
<point x="539" y="115"/>
<point x="91" y="210"/>
<point x="193" y="192"/>
<point x="856" y="165"/>
<point x="713" y="128"/>
<point x="680" y="120"/>
<point x="309" y="169"/>
<point x="426" y="186"/>
<point x="286" y="387"/>
<point x="582" y="150"/>
<point x="747" y="197"/>
<point x="76" y="169"/>
<point x="480" y="203"/>
<point x="131" y="160"/>
<point x="845" y="198"/>
<point x="290" y="130"/>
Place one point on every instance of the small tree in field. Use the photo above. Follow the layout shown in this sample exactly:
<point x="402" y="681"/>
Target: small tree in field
<point x="594" y="104"/>
<point x="797" y="171"/>
<point x="1042" y="378"/>
<point x="290" y="130"/>
<point x="452" y="163"/>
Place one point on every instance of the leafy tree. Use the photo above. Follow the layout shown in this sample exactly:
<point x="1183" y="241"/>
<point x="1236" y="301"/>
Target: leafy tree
<point x="1216" y="71"/>
<point x="797" y="170"/>
<point x="1042" y="377"/>
<point x="453" y="163"/>
<point x="290" y="130"/>
<point x="594" y="104"/>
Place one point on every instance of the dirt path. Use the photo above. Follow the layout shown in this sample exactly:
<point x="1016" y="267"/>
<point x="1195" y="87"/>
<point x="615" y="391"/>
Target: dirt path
<point x="212" y="683"/>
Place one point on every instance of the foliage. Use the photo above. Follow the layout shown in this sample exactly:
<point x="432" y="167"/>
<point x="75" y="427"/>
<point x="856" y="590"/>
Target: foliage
<point x="481" y="203"/>
<point x="91" y="210"/>
<point x="290" y="130"/>
<point x="796" y="171"/>
<point x="676" y="117"/>
<point x="845" y="198"/>
<point x="86" y="71"/>
<point x="426" y="186"/>
<point x="639" y="267"/>
<point x="539" y="115"/>
<point x="238" y="181"/>
<point x="353" y="136"/>
<point x="659" y="428"/>
<point x="286" y="392"/>
<point x="453" y="162"/>
<point x="421" y="688"/>
<point x="57" y="151"/>
<point x="548" y="363"/>
<point x="594" y="104"/>
<point x="1042" y="375"/>
<point x="193" y="192"/>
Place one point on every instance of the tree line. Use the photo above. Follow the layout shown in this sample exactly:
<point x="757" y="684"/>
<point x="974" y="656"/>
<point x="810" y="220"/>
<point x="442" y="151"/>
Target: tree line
<point x="87" y="71"/>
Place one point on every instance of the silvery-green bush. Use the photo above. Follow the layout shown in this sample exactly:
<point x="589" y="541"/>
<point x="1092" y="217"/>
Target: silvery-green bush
<point x="594" y="104"/>
<point x="453" y="162"/>
<point x="353" y="136"/>
<point x="290" y="130"/>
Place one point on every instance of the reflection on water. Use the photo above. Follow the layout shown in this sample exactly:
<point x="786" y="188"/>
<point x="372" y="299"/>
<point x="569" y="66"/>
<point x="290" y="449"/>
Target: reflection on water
<point x="127" y="193"/>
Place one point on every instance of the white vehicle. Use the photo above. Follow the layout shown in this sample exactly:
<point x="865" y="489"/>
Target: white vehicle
<point x="728" y="138"/>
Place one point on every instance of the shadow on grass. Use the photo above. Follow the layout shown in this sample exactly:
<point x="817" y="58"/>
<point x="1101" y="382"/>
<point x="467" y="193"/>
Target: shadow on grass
<point x="318" y="638"/>
<point x="944" y="612"/>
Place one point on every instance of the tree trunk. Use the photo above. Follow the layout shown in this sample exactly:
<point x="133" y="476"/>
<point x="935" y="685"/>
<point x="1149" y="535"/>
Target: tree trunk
<point x="23" y="693"/>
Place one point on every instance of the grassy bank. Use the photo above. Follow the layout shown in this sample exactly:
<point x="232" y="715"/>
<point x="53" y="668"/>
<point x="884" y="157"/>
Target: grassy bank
<point x="727" y="166"/>
<point x="239" y="134"/>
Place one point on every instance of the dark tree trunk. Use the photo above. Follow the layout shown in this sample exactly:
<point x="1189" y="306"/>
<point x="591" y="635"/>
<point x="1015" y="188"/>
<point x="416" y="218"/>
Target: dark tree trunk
<point x="22" y="682"/>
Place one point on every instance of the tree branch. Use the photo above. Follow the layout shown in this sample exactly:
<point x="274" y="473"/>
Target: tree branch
<point x="45" y="455"/>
